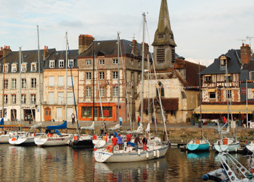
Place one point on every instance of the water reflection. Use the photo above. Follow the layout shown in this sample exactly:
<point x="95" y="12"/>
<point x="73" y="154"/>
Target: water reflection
<point x="67" y="164"/>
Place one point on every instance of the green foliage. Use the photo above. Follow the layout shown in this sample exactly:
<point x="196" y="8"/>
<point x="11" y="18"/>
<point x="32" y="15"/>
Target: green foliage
<point x="251" y="132"/>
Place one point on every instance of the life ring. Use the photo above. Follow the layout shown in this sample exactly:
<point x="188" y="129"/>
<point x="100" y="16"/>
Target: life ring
<point x="13" y="139"/>
<point x="252" y="125"/>
<point x="109" y="148"/>
<point x="75" y="137"/>
<point x="94" y="137"/>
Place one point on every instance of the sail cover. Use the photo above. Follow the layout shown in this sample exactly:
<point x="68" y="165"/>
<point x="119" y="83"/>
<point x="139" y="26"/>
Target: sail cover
<point x="62" y="126"/>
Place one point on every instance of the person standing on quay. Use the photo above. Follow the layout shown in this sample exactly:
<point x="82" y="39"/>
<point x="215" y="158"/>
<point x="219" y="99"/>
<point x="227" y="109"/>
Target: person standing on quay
<point x="73" y="118"/>
<point x="137" y="141"/>
<point x="138" y="120"/>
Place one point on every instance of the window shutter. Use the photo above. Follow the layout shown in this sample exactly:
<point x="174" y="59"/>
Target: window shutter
<point x="60" y="81"/>
<point x="59" y="113"/>
<point x="51" y="97"/>
<point x="51" y="81"/>
<point x="250" y="94"/>
<point x="60" y="98"/>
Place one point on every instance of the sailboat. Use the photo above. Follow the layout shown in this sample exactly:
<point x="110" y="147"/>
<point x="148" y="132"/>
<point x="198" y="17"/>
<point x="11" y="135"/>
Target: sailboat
<point x="226" y="144"/>
<point x="197" y="145"/>
<point x="128" y="154"/>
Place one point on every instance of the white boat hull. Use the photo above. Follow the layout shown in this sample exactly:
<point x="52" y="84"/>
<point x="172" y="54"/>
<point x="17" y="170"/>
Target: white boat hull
<point x="22" y="141"/>
<point x="53" y="141"/>
<point x="102" y="155"/>
<point x="99" y="143"/>
<point x="227" y="148"/>
<point x="4" y="139"/>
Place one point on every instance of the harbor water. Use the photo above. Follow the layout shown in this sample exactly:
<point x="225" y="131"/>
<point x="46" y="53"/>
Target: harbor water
<point x="67" y="164"/>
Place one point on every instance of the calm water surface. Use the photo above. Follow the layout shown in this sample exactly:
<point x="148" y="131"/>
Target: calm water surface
<point x="67" y="164"/>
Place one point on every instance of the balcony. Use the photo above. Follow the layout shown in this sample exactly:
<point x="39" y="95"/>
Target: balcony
<point x="220" y="84"/>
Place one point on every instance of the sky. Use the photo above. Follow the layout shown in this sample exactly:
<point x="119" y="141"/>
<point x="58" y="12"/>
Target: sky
<point x="203" y="30"/>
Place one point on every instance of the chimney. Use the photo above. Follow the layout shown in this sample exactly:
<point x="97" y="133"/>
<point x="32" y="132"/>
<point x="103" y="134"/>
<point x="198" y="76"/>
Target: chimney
<point x="1" y="52"/>
<point x="245" y="53"/>
<point x="146" y="49"/>
<point x="6" y="51"/>
<point x="134" y="47"/>
<point x="84" y="42"/>
<point x="45" y="52"/>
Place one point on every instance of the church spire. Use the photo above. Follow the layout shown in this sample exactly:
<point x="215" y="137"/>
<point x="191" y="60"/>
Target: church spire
<point x="164" y="34"/>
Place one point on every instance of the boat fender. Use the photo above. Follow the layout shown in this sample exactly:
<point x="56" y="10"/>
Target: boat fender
<point x="95" y="149"/>
<point x="109" y="148"/>
<point x="205" y="177"/>
<point x="154" y="153"/>
<point x="94" y="137"/>
<point x="138" y="152"/>
<point x="13" y="139"/>
<point x="75" y="137"/>
<point x="147" y="155"/>
<point x="158" y="153"/>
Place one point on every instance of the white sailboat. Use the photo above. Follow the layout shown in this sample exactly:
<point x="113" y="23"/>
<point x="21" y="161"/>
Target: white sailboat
<point x="128" y="154"/>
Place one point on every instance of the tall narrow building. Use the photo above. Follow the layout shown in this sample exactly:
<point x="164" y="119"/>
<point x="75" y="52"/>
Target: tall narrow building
<point x="164" y="43"/>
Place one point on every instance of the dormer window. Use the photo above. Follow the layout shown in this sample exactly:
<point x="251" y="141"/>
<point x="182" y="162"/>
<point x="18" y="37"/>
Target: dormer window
<point x="70" y="63"/>
<point x="88" y="62"/>
<point x="23" y="68"/>
<point x="52" y="64"/>
<point x="115" y="61"/>
<point x="14" y="67"/>
<point x="223" y="60"/>
<point x="6" y="68"/>
<point x="61" y="63"/>
<point x="33" y="67"/>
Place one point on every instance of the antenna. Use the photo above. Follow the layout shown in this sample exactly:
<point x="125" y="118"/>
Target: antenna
<point x="243" y="40"/>
<point x="249" y="39"/>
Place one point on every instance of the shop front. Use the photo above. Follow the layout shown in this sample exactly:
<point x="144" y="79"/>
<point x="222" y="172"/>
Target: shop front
<point x="89" y="113"/>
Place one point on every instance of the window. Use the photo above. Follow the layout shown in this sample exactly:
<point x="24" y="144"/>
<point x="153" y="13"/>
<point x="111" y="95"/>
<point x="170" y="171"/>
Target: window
<point x="33" y="67"/>
<point x="139" y="77"/>
<point x="229" y="78"/>
<point x="69" y="82"/>
<point x="33" y="99"/>
<point x="223" y="60"/>
<point x="13" y="83"/>
<point x="88" y="75"/>
<point x="183" y="95"/>
<point x="107" y="112"/>
<point x="115" y="61"/>
<point x="101" y="61"/>
<point x="228" y="94"/>
<point x="6" y="99"/>
<point x="69" y="112"/>
<point x="132" y="61"/>
<point x="212" y="95"/>
<point x="5" y="113"/>
<point x="160" y="90"/>
<point x="88" y="62"/>
<point x="59" y="114"/>
<point x="5" y="84"/>
<point x="14" y="68"/>
<point x="70" y="63"/>
<point x="252" y="75"/>
<point x="101" y="75"/>
<point x="115" y="91"/>
<point x="51" y="81"/>
<point x="33" y="83"/>
<point x="13" y="98"/>
<point x="70" y="100"/>
<point x="139" y="63"/>
<point x="51" y="63"/>
<point x="88" y="91"/>
<point x="23" y="68"/>
<point x="23" y="83"/>
<point x="115" y="74"/>
<point x="86" y="112"/>
<point x="6" y="68"/>
<point x="132" y="76"/>
<point x="161" y="55"/>
<point x="51" y="98"/>
<point x="60" y="98"/>
<point x="23" y="99"/>
<point x="60" y="81"/>
<point x="101" y="91"/>
<point x="61" y="63"/>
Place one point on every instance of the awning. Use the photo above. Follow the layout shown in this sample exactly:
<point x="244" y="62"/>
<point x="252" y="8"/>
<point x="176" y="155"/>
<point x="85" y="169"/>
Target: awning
<point x="222" y="109"/>
<point x="211" y="90"/>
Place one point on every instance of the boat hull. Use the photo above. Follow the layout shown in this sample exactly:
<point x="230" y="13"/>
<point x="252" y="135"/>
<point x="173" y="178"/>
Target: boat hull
<point x="198" y="147"/>
<point x="52" y="141"/>
<point x="22" y="141"/>
<point x="132" y="156"/>
<point x="82" y="143"/>
<point x="4" y="139"/>
<point x="227" y="148"/>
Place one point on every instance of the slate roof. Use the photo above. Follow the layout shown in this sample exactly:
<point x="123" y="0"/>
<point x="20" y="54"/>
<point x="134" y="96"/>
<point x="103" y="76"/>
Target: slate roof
<point x="28" y="56"/>
<point x="234" y="65"/>
<point x="61" y="55"/>
<point x="109" y="48"/>
<point x="249" y="66"/>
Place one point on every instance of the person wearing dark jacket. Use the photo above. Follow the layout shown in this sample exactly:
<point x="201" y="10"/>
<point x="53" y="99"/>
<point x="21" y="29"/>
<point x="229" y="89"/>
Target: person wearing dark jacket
<point x="136" y="142"/>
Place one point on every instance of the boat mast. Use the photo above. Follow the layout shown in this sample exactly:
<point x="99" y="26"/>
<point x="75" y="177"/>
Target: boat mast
<point x="118" y="97"/>
<point x="227" y="91"/>
<point x="142" y="75"/>
<point x="20" y="110"/>
<point x="200" y="98"/>
<point x="246" y="103"/>
<point x="3" y="88"/>
<point x="39" y="67"/>
<point x="66" y="79"/>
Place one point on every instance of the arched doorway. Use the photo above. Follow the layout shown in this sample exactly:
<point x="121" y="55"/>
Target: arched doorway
<point x="47" y="114"/>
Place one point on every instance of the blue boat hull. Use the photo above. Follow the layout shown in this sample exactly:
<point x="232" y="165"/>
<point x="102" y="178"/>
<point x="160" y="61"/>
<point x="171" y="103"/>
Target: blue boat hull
<point x="198" y="147"/>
